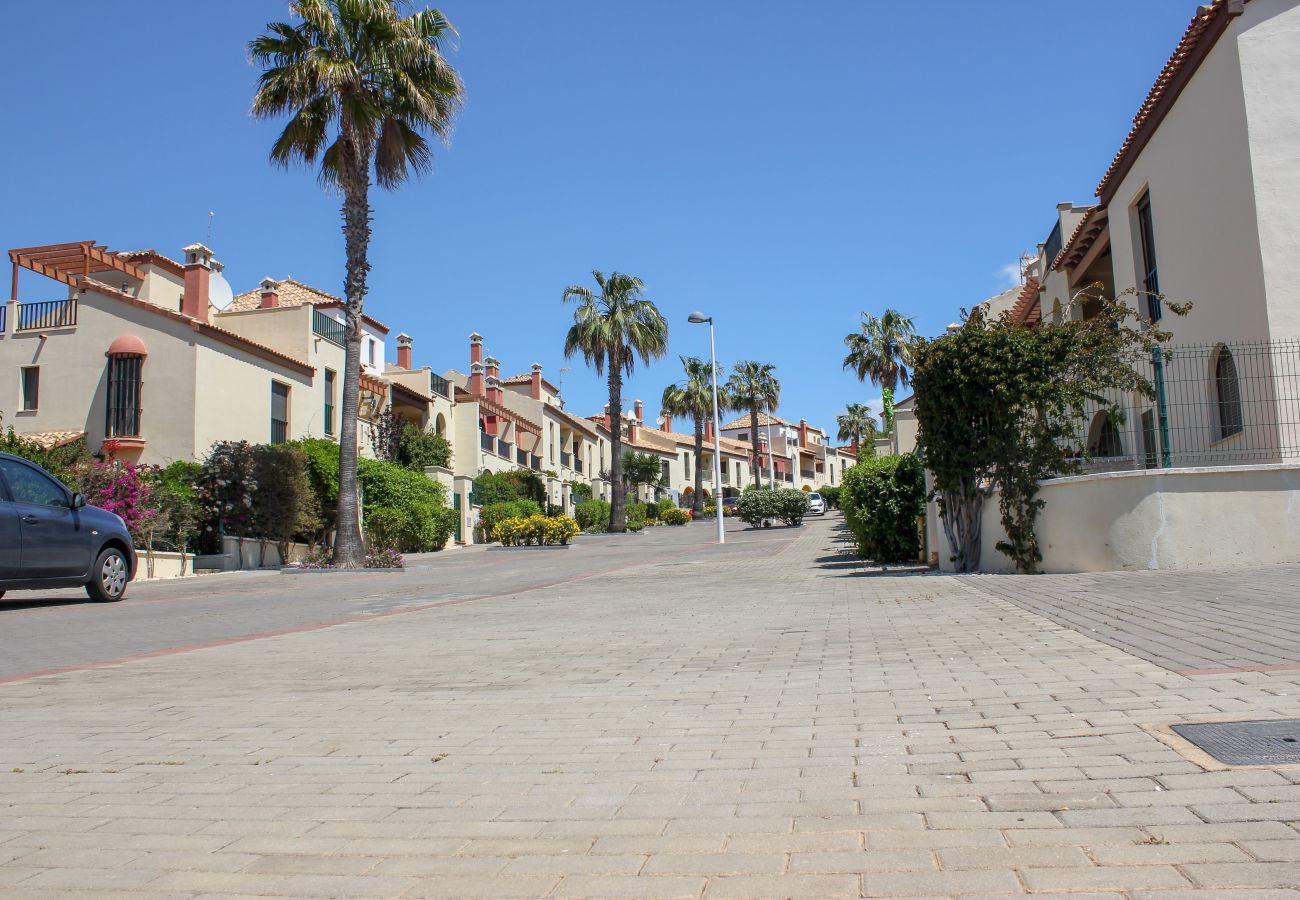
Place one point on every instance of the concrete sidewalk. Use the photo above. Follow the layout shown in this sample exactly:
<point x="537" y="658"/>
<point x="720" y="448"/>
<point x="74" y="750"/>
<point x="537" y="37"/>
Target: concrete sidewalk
<point x="737" y="724"/>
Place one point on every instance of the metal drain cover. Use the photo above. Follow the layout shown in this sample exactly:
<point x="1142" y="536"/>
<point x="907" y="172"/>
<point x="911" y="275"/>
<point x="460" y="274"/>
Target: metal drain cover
<point x="1269" y="743"/>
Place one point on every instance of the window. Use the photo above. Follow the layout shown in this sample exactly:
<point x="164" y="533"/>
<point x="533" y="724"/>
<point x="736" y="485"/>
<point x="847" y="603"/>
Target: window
<point x="686" y="464"/>
<point x="329" y="401"/>
<point x="743" y="436"/>
<point x="1103" y="437"/>
<point x="370" y="352"/>
<point x="29" y="486"/>
<point x="122" y="416"/>
<point x="30" y="379"/>
<point x="664" y="471"/>
<point x="1227" y="391"/>
<point x="279" y="412"/>
<point x="1150" y="272"/>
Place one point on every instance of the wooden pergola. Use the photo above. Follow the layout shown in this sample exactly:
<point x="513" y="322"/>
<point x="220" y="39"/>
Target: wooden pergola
<point x="68" y="262"/>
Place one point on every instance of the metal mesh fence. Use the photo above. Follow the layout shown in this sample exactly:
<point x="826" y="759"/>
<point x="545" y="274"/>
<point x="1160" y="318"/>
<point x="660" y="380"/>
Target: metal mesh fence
<point x="1215" y="404"/>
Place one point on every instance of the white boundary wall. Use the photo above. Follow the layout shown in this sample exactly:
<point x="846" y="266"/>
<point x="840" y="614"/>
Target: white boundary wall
<point x="1189" y="518"/>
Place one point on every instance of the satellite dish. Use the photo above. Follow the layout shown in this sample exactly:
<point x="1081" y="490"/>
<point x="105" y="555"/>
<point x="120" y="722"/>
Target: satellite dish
<point x="219" y="293"/>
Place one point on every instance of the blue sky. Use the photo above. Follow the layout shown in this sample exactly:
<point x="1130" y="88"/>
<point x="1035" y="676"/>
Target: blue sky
<point x="782" y="166"/>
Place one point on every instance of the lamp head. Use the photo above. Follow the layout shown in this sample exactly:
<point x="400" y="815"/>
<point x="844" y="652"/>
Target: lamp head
<point x="698" y="318"/>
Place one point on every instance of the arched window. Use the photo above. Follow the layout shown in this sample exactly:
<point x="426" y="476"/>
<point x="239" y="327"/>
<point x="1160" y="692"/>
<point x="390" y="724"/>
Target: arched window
<point x="126" y="357"/>
<point x="1227" y="393"/>
<point x="440" y="426"/>
<point x="1103" y="437"/>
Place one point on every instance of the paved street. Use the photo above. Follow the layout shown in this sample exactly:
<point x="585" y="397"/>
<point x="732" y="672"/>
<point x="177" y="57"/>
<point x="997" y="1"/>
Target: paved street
<point x="645" y="717"/>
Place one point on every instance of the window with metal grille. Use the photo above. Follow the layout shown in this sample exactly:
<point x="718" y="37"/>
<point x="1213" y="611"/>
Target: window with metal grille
<point x="279" y="412"/>
<point x="30" y="380"/>
<point x="1227" y="391"/>
<point x="1150" y="271"/>
<point x="125" y="385"/>
<point x="329" y="401"/>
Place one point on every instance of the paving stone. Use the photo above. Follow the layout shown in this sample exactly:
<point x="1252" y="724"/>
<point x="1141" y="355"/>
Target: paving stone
<point x="788" y="886"/>
<point x="1113" y="878"/>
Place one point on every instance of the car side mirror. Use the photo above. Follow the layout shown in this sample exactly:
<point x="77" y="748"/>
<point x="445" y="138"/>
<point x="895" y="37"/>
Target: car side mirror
<point x="78" y="501"/>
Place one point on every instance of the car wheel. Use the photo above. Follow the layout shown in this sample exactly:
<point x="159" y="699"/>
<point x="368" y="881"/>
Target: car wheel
<point x="109" y="577"/>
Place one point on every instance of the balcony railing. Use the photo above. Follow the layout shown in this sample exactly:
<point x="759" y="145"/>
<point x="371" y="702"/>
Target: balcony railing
<point x="439" y="385"/>
<point x="279" y="431"/>
<point x="566" y="459"/>
<point x="504" y="449"/>
<point x="47" y="314"/>
<point x="487" y="442"/>
<point x="327" y="327"/>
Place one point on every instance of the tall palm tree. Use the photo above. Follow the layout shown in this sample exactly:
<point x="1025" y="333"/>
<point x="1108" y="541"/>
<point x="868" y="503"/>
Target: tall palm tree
<point x="610" y="330"/>
<point x="693" y="399"/>
<point x="858" y="424"/>
<point x="362" y="85"/>
<point x="754" y="387"/>
<point x="881" y="352"/>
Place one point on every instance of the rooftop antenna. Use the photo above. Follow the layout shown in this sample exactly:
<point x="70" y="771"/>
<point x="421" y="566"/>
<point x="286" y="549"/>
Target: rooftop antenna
<point x="209" y="240"/>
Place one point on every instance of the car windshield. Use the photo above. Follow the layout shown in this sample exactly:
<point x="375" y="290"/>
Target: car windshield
<point x="814" y="496"/>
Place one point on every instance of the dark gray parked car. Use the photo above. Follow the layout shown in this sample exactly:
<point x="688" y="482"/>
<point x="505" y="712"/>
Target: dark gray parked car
<point x="50" y="538"/>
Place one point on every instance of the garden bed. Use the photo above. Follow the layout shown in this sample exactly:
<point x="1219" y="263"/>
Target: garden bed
<point x="331" y="570"/>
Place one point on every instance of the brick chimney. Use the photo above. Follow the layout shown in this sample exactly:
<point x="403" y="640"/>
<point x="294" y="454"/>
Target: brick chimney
<point x="636" y="411"/>
<point x="633" y="424"/>
<point x="270" y="293"/>
<point x="708" y="431"/>
<point x="535" y="389"/>
<point x="476" y="379"/>
<point x="803" y="432"/>
<point x="198" y="274"/>
<point x="666" y="422"/>
<point x="404" y="351"/>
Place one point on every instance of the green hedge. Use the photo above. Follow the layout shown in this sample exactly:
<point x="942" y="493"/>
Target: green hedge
<point x="882" y="499"/>
<point x="592" y="514"/>
<point x="404" y="509"/>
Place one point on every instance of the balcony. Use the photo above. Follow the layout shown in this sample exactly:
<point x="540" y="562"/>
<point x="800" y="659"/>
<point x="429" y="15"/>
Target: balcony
<point x="521" y="458"/>
<point x="47" y="314"/>
<point x="566" y="459"/>
<point x="440" y="386"/>
<point x="487" y="442"/>
<point x="537" y="464"/>
<point x="327" y="327"/>
<point x="504" y="449"/>
<point x="807" y="476"/>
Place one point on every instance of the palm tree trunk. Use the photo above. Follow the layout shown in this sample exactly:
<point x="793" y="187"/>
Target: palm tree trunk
<point x="757" y="470"/>
<point x="349" y="550"/>
<point x="698" y="506"/>
<point x="617" y="502"/>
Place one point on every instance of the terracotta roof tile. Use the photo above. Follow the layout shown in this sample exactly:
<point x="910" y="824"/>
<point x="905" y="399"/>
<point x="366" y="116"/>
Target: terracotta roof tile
<point x="763" y="419"/>
<point x="1026" y="302"/>
<point x="48" y="440"/>
<point x="295" y="293"/>
<point x="1081" y="239"/>
<point x="1204" y="29"/>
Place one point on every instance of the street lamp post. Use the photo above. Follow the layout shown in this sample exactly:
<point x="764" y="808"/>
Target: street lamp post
<point x="699" y="318"/>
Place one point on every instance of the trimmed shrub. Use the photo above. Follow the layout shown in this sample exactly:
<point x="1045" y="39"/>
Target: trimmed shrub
<point x="592" y="513"/>
<point x="636" y="512"/>
<point x="791" y="505"/>
<point x="534" y="531"/>
<point x="675" y="516"/>
<point x="417" y="448"/>
<point x="507" y="509"/>
<point x="756" y="506"/>
<point x="831" y="495"/>
<point x="404" y="509"/>
<point x="882" y="499"/>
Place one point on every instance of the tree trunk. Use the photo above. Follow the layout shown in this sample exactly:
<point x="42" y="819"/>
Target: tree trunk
<point x="961" y="514"/>
<point x="698" y="505"/>
<point x="757" y="470"/>
<point x="617" y="502"/>
<point x="349" y="550"/>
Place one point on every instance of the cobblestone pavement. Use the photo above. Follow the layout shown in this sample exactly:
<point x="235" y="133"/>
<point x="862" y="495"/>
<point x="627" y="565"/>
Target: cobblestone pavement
<point x="1191" y="622"/>
<point x="751" y="722"/>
